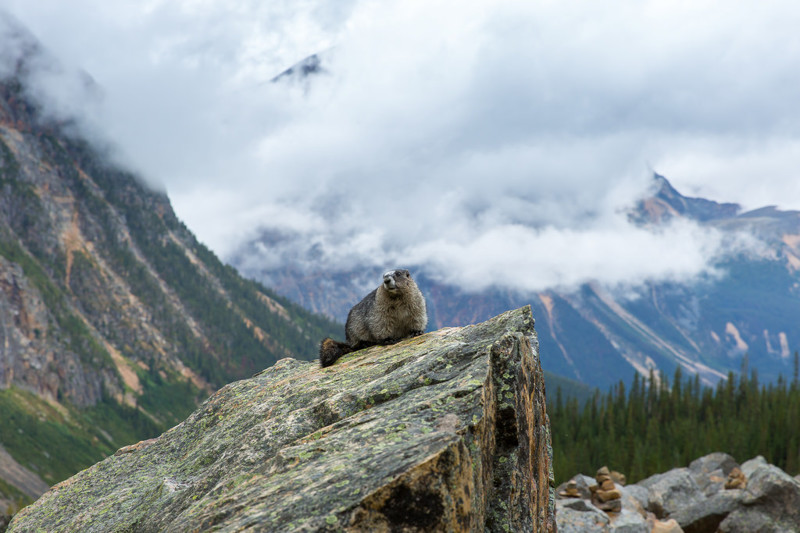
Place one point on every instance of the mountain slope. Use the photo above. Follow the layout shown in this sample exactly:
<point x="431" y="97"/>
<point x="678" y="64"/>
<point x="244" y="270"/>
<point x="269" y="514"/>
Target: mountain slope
<point x="597" y="336"/>
<point x="114" y="321"/>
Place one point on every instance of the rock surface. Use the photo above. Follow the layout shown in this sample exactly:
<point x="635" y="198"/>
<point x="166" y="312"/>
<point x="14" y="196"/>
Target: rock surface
<point x="671" y="491"/>
<point x="443" y="432"/>
<point x="695" y="500"/>
<point x="108" y="303"/>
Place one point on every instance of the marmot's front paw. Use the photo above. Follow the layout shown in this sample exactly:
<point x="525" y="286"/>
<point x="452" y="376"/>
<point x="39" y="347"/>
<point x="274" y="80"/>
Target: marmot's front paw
<point x="417" y="333"/>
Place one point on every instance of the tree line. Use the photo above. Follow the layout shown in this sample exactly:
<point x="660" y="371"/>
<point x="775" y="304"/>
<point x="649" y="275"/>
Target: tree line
<point x="656" y="426"/>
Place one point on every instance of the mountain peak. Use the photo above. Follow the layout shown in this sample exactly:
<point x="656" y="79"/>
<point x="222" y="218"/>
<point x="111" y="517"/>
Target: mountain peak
<point x="668" y="203"/>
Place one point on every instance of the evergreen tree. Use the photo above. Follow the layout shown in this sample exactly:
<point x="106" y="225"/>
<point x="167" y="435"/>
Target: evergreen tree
<point x="654" y="427"/>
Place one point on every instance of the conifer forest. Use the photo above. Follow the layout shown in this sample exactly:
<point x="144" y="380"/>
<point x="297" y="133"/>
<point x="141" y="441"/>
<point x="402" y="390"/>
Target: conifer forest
<point x="658" y="425"/>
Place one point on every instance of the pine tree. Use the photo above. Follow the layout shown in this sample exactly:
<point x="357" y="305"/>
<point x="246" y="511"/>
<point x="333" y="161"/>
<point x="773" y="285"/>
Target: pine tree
<point x="653" y="427"/>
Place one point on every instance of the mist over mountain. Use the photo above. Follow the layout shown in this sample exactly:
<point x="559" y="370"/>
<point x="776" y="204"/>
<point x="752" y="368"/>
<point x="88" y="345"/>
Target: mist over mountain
<point x="501" y="151"/>
<point x="504" y="126"/>
<point x="745" y="303"/>
<point x="493" y="149"/>
<point x="115" y="322"/>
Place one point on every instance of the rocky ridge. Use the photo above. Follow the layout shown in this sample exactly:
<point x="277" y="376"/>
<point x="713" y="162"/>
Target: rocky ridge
<point x="442" y="432"/>
<point x="713" y="494"/>
<point x="115" y="322"/>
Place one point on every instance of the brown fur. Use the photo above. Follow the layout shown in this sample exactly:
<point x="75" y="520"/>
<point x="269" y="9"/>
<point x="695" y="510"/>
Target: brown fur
<point x="393" y="311"/>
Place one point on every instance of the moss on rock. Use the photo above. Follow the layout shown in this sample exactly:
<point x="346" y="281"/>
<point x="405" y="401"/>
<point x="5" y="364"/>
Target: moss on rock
<point x="442" y="432"/>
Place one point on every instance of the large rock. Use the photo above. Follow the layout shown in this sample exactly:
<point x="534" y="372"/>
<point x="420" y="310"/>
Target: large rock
<point x="576" y="515"/>
<point x="697" y="500"/>
<point x="711" y="471"/>
<point x="770" y="503"/>
<point x="671" y="491"/>
<point x="707" y="514"/>
<point x="443" y="432"/>
<point x="580" y="515"/>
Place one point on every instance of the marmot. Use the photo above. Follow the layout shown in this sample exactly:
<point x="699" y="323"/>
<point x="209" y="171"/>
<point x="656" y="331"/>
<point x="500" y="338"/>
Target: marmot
<point x="393" y="311"/>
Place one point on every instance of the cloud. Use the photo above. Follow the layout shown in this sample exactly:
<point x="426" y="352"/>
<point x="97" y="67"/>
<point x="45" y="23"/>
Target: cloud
<point x="503" y="139"/>
<point x="60" y="95"/>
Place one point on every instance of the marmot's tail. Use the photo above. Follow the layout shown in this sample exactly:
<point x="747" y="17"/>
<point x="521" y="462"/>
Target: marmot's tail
<point x="331" y="350"/>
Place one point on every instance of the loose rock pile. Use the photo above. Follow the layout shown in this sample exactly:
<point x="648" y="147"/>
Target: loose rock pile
<point x="605" y="495"/>
<point x="714" y="494"/>
<point x="736" y="479"/>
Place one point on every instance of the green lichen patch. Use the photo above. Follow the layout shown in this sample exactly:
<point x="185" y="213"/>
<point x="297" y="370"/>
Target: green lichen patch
<point x="427" y="425"/>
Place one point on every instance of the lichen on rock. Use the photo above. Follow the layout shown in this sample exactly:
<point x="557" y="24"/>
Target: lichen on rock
<point x="442" y="432"/>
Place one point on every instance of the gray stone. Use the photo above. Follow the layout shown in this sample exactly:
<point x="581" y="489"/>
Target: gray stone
<point x="713" y="461"/>
<point x="442" y="432"/>
<point x="708" y="514"/>
<point x="770" y="503"/>
<point x="576" y="504"/>
<point x="711" y="471"/>
<point x="671" y="491"/>
<point x="711" y="483"/>
<point x="628" y="521"/>
<point x="582" y="484"/>
<point x="583" y="517"/>
<point x="578" y="515"/>
<point x="748" y="467"/>
<point x="640" y="494"/>
<point x="771" y="488"/>
<point x="754" y="521"/>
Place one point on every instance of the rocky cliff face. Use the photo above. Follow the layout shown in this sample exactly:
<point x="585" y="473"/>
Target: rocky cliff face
<point x="443" y="432"/>
<point x="114" y="321"/>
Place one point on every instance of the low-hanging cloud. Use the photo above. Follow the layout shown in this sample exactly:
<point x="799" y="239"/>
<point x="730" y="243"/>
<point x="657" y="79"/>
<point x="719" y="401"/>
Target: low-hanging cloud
<point x="501" y="141"/>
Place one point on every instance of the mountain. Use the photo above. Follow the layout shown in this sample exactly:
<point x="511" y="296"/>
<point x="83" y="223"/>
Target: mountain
<point x="596" y="336"/>
<point x="115" y="322"/>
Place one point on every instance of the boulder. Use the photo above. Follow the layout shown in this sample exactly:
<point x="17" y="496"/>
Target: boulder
<point x="577" y="504"/>
<point x="759" y="498"/>
<point x="711" y="462"/>
<point x="631" y="502"/>
<point x="706" y="515"/>
<point x="637" y="493"/>
<point x="750" y="521"/>
<point x="580" y="484"/>
<point x="671" y="491"/>
<point x="628" y="521"/>
<point x="748" y="467"/>
<point x="580" y="516"/>
<point x="442" y="432"/>
<point x="711" y="471"/>
<point x="770" y="503"/>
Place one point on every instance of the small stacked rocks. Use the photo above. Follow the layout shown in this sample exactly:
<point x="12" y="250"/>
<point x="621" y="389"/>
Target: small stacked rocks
<point x="605" y="495"/>
<point x="736" y="479"/>
<point x="571" y="490"/>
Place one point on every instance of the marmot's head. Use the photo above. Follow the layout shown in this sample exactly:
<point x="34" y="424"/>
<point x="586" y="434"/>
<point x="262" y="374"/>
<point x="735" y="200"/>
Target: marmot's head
<point x="394" y="281"/>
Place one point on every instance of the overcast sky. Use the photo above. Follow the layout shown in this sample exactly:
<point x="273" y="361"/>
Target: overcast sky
<point x="493" y="142"/>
